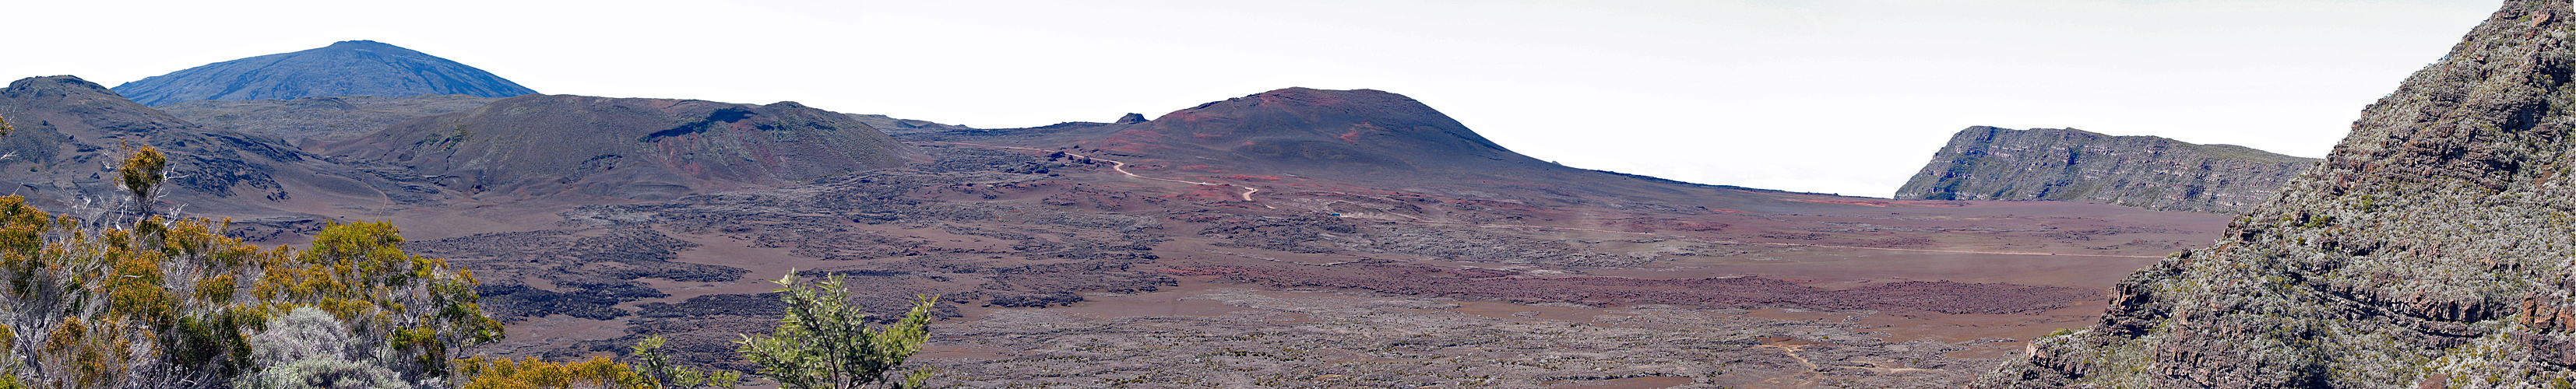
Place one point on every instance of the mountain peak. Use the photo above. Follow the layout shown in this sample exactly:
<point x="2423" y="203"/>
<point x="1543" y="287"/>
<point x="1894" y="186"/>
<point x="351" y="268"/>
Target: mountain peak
<point x="1334" y="127"/>
<point x="345" y="68"/>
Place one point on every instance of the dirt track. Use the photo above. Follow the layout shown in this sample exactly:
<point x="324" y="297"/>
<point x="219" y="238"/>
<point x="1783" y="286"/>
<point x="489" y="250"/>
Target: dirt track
<point x="1121" y="167"/>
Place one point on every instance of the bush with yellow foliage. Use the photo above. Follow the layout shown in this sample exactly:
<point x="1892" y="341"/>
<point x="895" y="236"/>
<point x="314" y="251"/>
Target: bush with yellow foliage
<point x="172" y="303"/>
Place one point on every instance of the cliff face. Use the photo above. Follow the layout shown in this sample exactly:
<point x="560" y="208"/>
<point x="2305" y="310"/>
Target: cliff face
<point x="1988" y="163"/>
<point x="2435" y="247"/>
<point x="348" y="68"/>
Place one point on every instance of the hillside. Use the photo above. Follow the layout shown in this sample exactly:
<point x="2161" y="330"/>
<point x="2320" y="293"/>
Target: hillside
<point x="318" y="118"/>
<point x="67" y="128"/>
<point x="1290" y="238"/>
<point x="1364" y="138"/>
<point x="346" y="68"/>
<point x="2430" y="249"/>
<point x="544" y="145"/>
<point x="1190" y="249"/>
<point x="1989" y="163"/>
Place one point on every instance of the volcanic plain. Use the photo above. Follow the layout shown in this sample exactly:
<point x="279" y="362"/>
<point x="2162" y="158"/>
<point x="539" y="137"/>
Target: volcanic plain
<point x="1059" y="270"/>
<point x="1291" y="238"/>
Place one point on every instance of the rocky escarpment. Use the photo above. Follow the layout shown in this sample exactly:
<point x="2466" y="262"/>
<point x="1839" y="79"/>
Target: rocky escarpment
<point x="2431" y="249"/>
<point x="1989" y="163"/>
<point x="347" y="68"/>
<point x="646" y="149"/>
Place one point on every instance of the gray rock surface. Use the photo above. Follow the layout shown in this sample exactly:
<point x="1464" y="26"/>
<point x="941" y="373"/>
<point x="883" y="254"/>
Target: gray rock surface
<point x="1989" y="163"/>
<point x="346" y="68"/>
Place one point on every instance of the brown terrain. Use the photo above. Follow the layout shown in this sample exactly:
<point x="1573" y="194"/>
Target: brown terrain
<point x="1111" y="263"/>
<point x="1083" y="277"/>
<point x="1294" y="238"/>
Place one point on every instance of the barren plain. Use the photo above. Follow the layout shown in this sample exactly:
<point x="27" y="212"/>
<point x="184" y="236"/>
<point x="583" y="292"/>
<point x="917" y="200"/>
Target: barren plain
<point x="1059" y="271"/>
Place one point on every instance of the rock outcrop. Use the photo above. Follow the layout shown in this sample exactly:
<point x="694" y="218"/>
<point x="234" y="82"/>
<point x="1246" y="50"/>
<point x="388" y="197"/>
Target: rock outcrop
<point x="1989" y="163"/>
<point x="319" y="118"/>
<point x="347" y="68"/>
<point x="2432" y="248"/>
<point x="645" y="149"/>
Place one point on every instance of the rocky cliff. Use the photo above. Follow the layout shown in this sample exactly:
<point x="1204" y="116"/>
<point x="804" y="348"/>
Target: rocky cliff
<point x="1989" y="163"/>
<point x="2431" y="249"/>
<point x="347" y="68"/>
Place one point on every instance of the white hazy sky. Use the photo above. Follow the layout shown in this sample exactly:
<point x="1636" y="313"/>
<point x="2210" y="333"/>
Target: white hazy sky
<point x="1837" y="96"/>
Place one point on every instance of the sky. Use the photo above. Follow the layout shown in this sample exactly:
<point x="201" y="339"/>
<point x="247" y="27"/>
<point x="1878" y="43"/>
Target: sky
<point x="1828" y="96"/>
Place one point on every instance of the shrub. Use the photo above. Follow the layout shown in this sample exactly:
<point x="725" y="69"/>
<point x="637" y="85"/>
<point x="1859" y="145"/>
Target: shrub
<point x="657" y="366"/>
<point x="503" y="373"/>
<point x="163" y="303"/>
<point x="824" y="341"/>
<point x="331" y="373"/>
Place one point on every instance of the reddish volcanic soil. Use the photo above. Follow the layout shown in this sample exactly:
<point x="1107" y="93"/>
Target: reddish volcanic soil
<point x="1082" y="276"/>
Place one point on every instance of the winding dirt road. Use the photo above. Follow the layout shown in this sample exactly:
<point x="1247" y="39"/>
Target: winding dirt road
<point x="1121" y="167"/>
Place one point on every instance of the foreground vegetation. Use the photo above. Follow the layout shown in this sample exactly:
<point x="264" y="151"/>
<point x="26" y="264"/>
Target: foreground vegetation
<point x="133" y="299"/>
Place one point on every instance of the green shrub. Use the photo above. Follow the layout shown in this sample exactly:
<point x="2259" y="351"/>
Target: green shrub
<point x="824" y="342"/>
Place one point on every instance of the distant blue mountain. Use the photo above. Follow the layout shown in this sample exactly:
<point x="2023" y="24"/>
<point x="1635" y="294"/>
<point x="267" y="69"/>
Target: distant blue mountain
<point x="347" y="68"/>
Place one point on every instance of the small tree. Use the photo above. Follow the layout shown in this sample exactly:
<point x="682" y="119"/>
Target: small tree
<point x="656" y="366"/>
<point x="825" y="343"/>
<point x="142" y="171"/>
